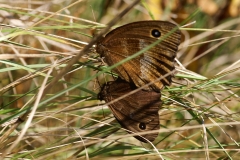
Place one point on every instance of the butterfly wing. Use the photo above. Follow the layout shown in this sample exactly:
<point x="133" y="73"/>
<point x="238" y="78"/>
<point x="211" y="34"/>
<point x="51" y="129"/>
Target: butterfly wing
<point x="137" y="112"/>
<point x="126" y="40"/>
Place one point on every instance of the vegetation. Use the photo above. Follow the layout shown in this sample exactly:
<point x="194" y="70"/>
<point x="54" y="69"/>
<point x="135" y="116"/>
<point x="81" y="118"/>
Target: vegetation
<point x="49" y="111"/>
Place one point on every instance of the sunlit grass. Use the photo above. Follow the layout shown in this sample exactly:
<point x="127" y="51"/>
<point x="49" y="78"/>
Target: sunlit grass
<point x="199" y="117"/>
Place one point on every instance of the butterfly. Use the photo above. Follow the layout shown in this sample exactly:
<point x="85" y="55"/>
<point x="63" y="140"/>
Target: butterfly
<point x="137" y="112"/>
<point x="156" y="62"/>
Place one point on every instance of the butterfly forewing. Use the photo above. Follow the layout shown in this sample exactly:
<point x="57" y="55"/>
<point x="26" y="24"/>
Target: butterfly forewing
<point x="137" y="112"/>
<point x="154" y="63"/>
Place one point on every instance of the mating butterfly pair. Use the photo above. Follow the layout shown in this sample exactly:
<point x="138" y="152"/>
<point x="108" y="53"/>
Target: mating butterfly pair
<point x="138" y="112"/>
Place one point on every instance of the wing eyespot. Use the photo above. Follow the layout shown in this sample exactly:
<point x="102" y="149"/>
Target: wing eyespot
<point x="142" y="126"/>
<point x="156" y="33"/>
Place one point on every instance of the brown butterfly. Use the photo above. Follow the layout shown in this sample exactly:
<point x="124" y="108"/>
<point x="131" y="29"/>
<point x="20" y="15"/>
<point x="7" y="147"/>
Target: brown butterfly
<point x="137" y="112"/>
<point x="154" y="63"/>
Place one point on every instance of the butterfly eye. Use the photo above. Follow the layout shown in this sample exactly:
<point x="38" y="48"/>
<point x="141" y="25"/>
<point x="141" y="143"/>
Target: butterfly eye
<point x="156" y="33"/>
<point x="142" y="126"/>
